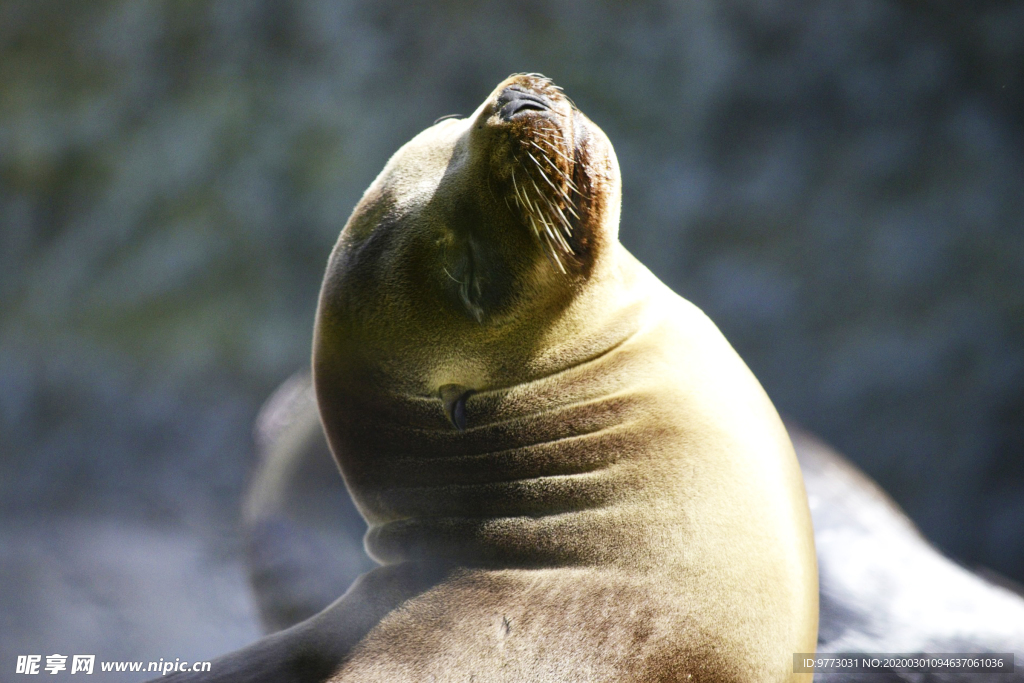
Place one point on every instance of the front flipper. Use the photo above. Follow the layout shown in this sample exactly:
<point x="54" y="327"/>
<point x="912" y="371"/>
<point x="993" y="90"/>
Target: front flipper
<point x="313" y="650"/>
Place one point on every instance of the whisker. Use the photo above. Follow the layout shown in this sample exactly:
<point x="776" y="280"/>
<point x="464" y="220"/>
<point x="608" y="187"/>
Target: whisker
<point x="549" y="224"/>
<point x="560" y="172"/>
<point x="544" y="175"/>
<point x="553" y="149"/>
<point x="566" y="226"/>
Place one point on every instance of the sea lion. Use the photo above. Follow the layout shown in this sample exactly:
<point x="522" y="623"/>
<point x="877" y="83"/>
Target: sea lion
<point x="567" y="472"/>
<point x="885" y="588"/>
<point x="304" y="536"/>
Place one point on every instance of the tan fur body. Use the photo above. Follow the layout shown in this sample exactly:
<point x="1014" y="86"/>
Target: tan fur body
<point x="623" y="502"/>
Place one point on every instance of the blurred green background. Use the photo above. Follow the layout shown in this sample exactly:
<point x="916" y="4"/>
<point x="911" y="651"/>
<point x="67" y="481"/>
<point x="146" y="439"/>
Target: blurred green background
<point x="839" y="185"/>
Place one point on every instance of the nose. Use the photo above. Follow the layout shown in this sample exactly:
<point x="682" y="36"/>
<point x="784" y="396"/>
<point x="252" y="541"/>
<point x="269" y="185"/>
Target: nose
<point x="515" y="100"/>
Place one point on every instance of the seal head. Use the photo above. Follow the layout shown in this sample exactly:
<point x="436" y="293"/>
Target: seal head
<point x="475" y="229"/>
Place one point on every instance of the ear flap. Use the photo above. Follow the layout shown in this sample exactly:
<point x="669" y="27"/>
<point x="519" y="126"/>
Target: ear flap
<point x="454" y="398"/>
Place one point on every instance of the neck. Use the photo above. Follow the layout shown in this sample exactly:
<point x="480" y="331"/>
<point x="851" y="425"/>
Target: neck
<point x="541" y="475"/>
